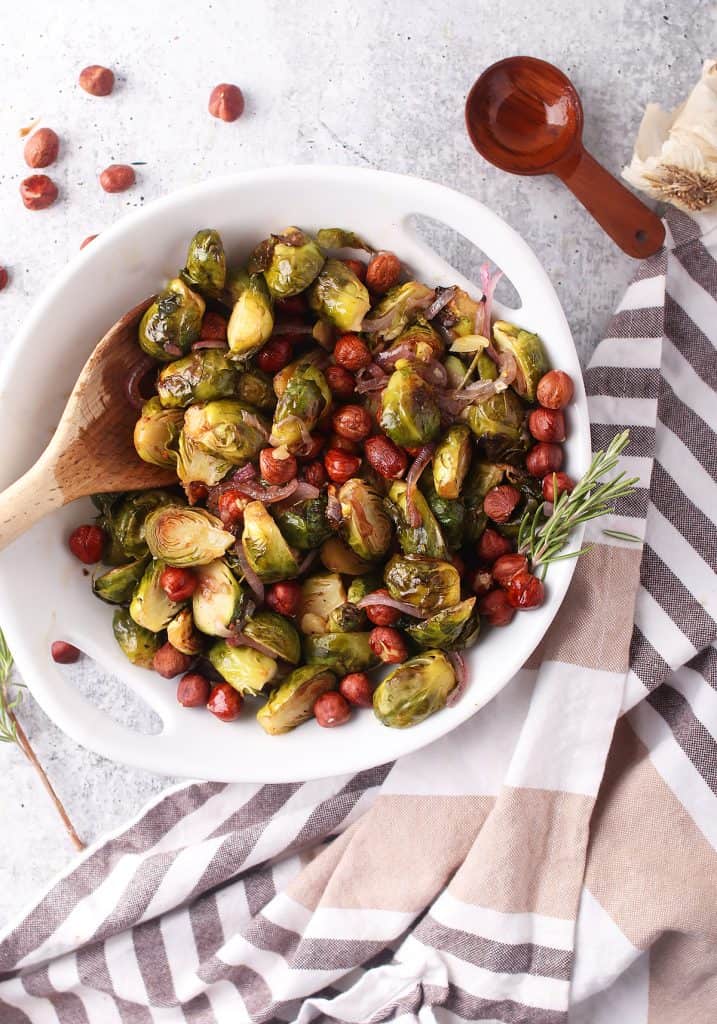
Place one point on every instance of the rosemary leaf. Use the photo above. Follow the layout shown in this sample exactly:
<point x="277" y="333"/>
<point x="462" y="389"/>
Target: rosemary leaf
<point x="619" y="535"/>
<point x="8" y="702"/>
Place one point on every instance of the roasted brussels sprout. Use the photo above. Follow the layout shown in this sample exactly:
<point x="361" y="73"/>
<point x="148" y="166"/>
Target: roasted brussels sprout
<point x="276" y="633"/>
<point x="450" y="513"/>
<point x="199" y="377"/>
<point x="183" y="536"/>
<point x="339" y="238"/>
<point x="451" y="461"/>
<point x="414" y="690"/>
<point x="206" y="268"/>
<point x="347" y="618"/>
<point x="450" y="630"/>
<point x="304" y="525"/>
<point x="482" y="477"/>
<point x="150" y="607"/>
<point x="398" y="307"/>
<point x="266" y="551"/>
<point x="462" y="314"/>
<point x="305" y="399"/>
<point x="194" y="465"/>
<point x="172" y="322"/>
<point x="340" y="652"/>
<point x="228" y="429"/>
<point x="531" y="360"/>
<point x="315" y="357"/>
<point x="255" y="388"/>
<point x="455" y="369"/>
<point x="360" y="586"/>
<point x="421" y="339"/>
<point x="427" y="583"/>
<point x="320" y="595"/>
<point x="127" y="520"/>
<point x="183" y="635"/>
<point x="118" y="585"/>
<point x="219" y="603"/>
<point x="252" y="319"/>
<point x="104" y="503"/>
<point x="499" y="425"/>
<point x="338" y="557"/>
<point x="245" y="669"/>
<point x="289" y="261"/>
<point x="366" y="526"/>
<point x="139" y="645"/>
<point x="337" y="295"/>
<point x="424" y="539"/>
<point x="293" y="702"/>
<point x="487" y="369"/>
<point x="409" y="413"/>
<point x="156" y="433"/>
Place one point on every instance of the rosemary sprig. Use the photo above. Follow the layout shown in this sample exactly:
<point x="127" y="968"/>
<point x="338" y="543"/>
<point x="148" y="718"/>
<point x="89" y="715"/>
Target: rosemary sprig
<point x="543" y="540"/>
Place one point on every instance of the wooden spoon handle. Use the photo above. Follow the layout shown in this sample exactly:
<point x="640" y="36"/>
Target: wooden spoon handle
<point x="28" y="500"/>
<point x="635" y="228"/>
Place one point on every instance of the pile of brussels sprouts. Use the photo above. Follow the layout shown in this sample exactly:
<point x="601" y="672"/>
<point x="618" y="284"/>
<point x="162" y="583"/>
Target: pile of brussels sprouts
<point x="353" y="459"/>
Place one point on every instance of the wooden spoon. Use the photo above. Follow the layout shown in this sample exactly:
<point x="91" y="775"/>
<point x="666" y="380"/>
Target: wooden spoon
<point x="525" y="116"/>
<point x="92" y="449"/>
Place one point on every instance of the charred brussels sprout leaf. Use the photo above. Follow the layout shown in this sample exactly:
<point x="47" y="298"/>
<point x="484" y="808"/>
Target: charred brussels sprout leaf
<point x="184" y="537"/>
<point x="276" y="633"/>
<point x="300" y="407"/>
<point x="337" y="295"/>
<point x="427" y="583"/>
<point x="409" y="413"/>
<point x="172" y="323"/>
<point x="366" y="526"/>
<point x="293" y="702"/>
<point x="529" y="353"/>
<point x="183" y="635"/>
<point x="339" y="238"/>
<point x="118" y="585"/>
<point x="200" y="377"/>
<point x="340" y="652"/>
<point x="450" y="630"/>
<point x="139" y="645"/>
<point x="252" y="319"/>
<point x="227" y="429"/>
<point x="421" y="339"/>
<point x="266" y="550"/>
<point x="414" y="690"/>
<point x="347" y="618"/>
<point x="320" y="596"/>
<point x="289" y="261"/>
<point x="398" y="307"/>
<point x="156" y="433"/>
<point x="206" y="267"/>
<point x="127" y="521"/>
<point x="499" y="425"/>
<point x="218" y="604"/>
<point x="194" y="464"/>
<point x="450" y="513"/>
<point x="452" y="460"/>
<point x="245" y="669"/>
<point x="255" y="388"/>
<point x="150" y="607"/>
<point x="304" y="525"/>
<point x="424" y="539"/>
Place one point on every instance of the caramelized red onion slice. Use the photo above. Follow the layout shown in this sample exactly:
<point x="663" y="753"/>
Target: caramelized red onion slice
<point x="373" y="325"/>
<point x="389" y="602"/>
<point x="459" y="667"/>
<point x="172" y="350"/>
<point x="457" y="400"/>
<point x="419" y="464"/>
<point x="132" y="385"/>
<point x="371" y="378"/>
<point x="307" y="562"/>
<point x="442" y="299"/>
<point x="266" y="494"/>
<point x="333" y="511"/>
<point x="488" y="283"/>
<point x="209" y="343"/>
<point x="251" y="578"/>
<point x="247" y="472"/>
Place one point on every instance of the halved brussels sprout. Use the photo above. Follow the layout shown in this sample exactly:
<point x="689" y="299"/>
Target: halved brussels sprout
<point x="340" y="652"/>
<point x="347" y="618"/>
<point x="172" y="322"/>
<point x="199" y="377"/>
<point x="206" y="267"/>
<point x="398" y="307"/>
<point x="360" y="586"/>
<point x="414" y="690"/>
<point x="461" y="315"/>
<point x="421" y="339"/>
<point x="266" y="551"/>
<point x="427" y="583"/>
<point x="218" y="603"/>
<point x="530" y="357"/>
<point x="449" y="512"/>
<point x="499" y="425"/>
<point x="255" y="388"/>
<point x="252" y="319"/>
<point x="118" y="585"/>
<point x="320" y="595"/>
<point x="104" y="503"/>
<point x="338" y="557"/>
<point x="424" y="539"/>
<point x="314" y="357"/>
<point x="304" y="525"/>
<point x="339" y="238"/>
<point x="276" y="633"/>
<point x="409" y="413"/>
<point x="228" y="429"/>
<point x="455" y="369"/>
<point x="245" y="669"/>
<point x="139" y="645"/>
<point x="183" y="536"/>
<point x="450" y="630"/>
<point x="183" y="635"/>
<point x="150" y="607"/>
<point x="366" y="526"/>
<point x="293" y="702"/>
<point x="337" y="295"/>
<point x="128" y="517"/>
<point x="194" y="465"/>
<point x="156" y="433"/>
<point x="451" y="461"/>
<point x="303" y="402"/>
<point x="487" y="369"/>
<point x="290" y="261"/>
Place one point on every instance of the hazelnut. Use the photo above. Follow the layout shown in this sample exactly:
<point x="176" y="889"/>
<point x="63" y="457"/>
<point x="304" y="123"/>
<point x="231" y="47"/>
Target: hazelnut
<point x="170" y="662"/>
<point x="385" y="457"/>
<point x="64" y="653"/>
<point x="196" y="491"/>
<point x="41" y="149"/>
<point x="291" y="306"/>
<point x="555" y="389"/>
<point x="341" y="382"/>
<point x="224" y="702"/>
<point x="96" y="80"/>
<point x="315" y="474"/>
<point x="230" y="507"/>
<point x="193" y="690"/>
<point x="86" y="241"/>
<point x="382" y="614"/>
<point x="226" y="102"/>
<point x="544" y="458"/>
<point x="496" y="608"/>
<point x="352" y="353"/>
<point x="331" y="709"/>
<point x="352" y="422"/>
<point x="500" y="502"/>
<point x="525" y="591"/>
<point x="357" y="267"/>
<point x="87" y="543"/>
<point x="284" y="597"/>
<point x="38" y="192"/>
<point x="459" y="565"/>
<point x="481" y="581"/>
<point x="117" y="178"/>
<point x="505" y="567"/>
<point x="388" y="644"/>
<point x="312" y="449"/>
<point x="383" y="272"/>
<point x="556" y="483"/>
<point x="492" y="545"/>
<point x="214" y="327"/>
<point x="357" y="688"/>
<point x="274" y="469"/>
<point x="344" y="444"/>
<point x="274" y="355"/>
<point x="3" y="278"/>
<point x="178" y="584"/>
<point x="341" y="466"/>
<point x="547" y="424"/>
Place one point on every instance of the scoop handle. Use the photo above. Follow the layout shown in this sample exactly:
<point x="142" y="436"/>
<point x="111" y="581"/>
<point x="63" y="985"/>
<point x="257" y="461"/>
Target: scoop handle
<point x="633" y="226"/>
<point x="29" y="500"/>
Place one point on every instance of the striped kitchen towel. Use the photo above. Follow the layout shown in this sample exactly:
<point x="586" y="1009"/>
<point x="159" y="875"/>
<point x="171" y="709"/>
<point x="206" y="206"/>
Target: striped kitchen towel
<point x="551" y="861"/>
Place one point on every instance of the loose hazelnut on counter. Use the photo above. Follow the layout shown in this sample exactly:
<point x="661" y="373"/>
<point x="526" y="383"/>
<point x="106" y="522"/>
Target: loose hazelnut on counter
<point x="38" y="192"/>
<point x="284" y="597"/>
<point x="170" y="662"/>
<point x="224" y="702"/>
<point x="277" y="466"/>
<point x="41" y="149"/>
<point x="525" y="591"/>
<point x="357" y="688"/>
<point x="383" y="272"/>
<point x="64" y="653"/>
<point x="87" y="543"/>
<point x="274" y="355"/>
<point x="500" y="502"/>
<point x="559" y="482"/>
<point x="544" y="458"/>
<point x="357" y="267"/>
<point x="331" y="709"/>
<point x="492" y="545"/>
<point x="3" y="278"/>
<point x="86" y="241"/>
<point x="547" y="425"/>
<point x="505" y="567"/>
<point x="388" y="644"/>
<point x="341" y="382"/>
<point x="496" y="609"/>
<point x="382" y="614"/>
<point x="352" y="353"/>
<point x="555" y="389"/>
<point x="340" y="465"/>
<point x="117" y="178"/>
<point x="96" y="80"/>
<point x="226" y="102"/>
<point x="352" y="422"/>
<point x="385" y="457"/>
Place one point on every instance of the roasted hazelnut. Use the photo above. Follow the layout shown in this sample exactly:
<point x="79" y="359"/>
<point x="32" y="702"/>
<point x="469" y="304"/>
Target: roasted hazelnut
<point x="41" y="148"/>
<point x="492" y="545"/>
<point x="383" y="272"/>
<point x="315" y="474"/>
<point x="3" y="278"/>
<point x="352" y="353"/>
<point x="544" y="458"/>
<point x="178" y="584"/>
<point x="230" y="507"/>
<point x="341" y="466"/>
<point x="87" y="543"/>
<point x="224" y="702"/>
<point x="357" y="688"/>
<point x="291" y="306"/>
<point x="358" y="268"/>
<point x="388" y="644"/>
<point x="193" y="690"/>
<point x="170" y="662"/>
<point x="331" y="709"/>
<point x="226" y="102"/>
<point x="96" y="80"/>
<point x="284" y="597"/>
<point x="556" y="483"/>
<point x="274" y="469"/>
<point x="496" y="608"/>
<point x="555" y="389"/>
<point x="547" y="424"/>
<point x="117" y="178"/>
<point x="38" y="192"/>
<point x="352" y="422"/>
<point x="214" y="327"/>
<point x="500" y="502"/>
<point x="64" y="653"/>
<point x="480" y="581"/>
<point x="196" y="492"/>
<point x="274" y="355"/>
<point x="385" y="457"/>
<point x="505" y="567"/>
<point x="344" y="444"/>
<point x="525" y="591"/>
<point x="341" y="381"/>
<point x="312" y="449"/>
<point x="382" y="614"/>
<point x="459" y="565"/>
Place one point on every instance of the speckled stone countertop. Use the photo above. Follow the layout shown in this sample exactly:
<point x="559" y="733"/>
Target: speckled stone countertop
<point x="374" y="84"/>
